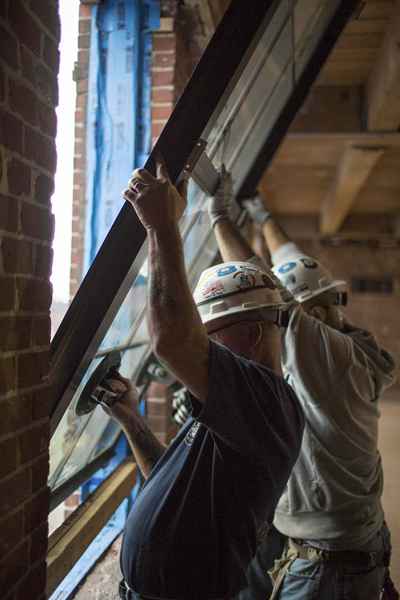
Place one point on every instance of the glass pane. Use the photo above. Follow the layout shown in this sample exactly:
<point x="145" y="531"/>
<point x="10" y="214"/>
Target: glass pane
<point x="267" y="83"/>
<point x="79" y="440"/>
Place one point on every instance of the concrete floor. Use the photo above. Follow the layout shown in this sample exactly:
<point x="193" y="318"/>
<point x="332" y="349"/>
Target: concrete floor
<point x="102" y="583"/>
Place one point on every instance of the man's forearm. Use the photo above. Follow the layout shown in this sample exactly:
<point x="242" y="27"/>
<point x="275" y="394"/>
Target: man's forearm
<point x="178" y="336"/>
<point x="274" y="235"/>
<point x="145" y="446"/>
<point x="232" y="245"/>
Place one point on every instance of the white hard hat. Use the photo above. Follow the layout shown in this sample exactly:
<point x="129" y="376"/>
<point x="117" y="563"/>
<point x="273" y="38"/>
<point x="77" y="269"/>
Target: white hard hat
<point x="306" y="278"/>
<point x="235" y="291"/>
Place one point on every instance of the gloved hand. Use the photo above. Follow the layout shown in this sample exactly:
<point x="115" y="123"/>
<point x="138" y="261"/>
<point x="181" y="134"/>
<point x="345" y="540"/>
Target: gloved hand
<point x="257" y="211"/>
<point x="219" y="206"/>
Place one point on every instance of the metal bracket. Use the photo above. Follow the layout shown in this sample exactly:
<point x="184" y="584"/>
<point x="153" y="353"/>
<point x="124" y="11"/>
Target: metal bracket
<point x="201" y="169"/>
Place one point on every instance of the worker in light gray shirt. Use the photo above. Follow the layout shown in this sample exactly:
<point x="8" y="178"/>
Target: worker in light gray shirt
<point x="329" y="539"/>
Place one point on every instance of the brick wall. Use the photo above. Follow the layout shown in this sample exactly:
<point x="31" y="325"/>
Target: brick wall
<point x="81" y="76"/>
<point x="29" y="37"/>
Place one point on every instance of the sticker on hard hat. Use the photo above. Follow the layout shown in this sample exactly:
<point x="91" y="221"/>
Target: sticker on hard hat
<point x="287" y="267"/>
<point x="213" y="289"/>
<point x="309" y="263"/>
<point x="245" y="280"/>
<point x="226" y="271"/>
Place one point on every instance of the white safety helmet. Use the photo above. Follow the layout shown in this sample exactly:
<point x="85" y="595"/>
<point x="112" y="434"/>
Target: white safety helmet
<point x="306" y="278"/>
<point x="238" y="291"/>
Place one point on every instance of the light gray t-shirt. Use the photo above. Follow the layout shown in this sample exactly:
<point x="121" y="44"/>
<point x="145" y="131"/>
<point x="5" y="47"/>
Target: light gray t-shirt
<point x="334" y="492"/>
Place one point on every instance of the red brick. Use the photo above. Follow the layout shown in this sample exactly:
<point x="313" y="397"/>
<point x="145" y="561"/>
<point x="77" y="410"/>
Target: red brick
<point x="14" y="491"/>
<point x="8" y="382"/>
<point x="33" y="294"/>
<point x="9" y="456"/>
<point x="23" y="101"/>
<point x="47" y="12"/>
<point x="79" y="164"/>
<point x="41" y="327"/>
<point x="161" y="113"/>
<point x="44" y="188"/>
<point x="40" y="472"/>
<point x="156" y="129"/>
<point x="35" y="580"/>
<point x="11" y="132"/>
<point x="47" y="120"/>
<point x="33" y="367"/>
<point x="164" y="59"/>
<point x="39" y="76"/>
<point x="14" y="566"/>
<point x="84" y="25"/>
<point x="43" y="262"/>
<point x="161" y="78"/>
<point x="40" y="149"/>
<point x="83" y="42"/>
<point x="51" y="54"/>
<point x="7" y="296"/>
<point x="85" y="11"/>
<point x="9" y="49"/>
<point x="164" y="43"/>
<point x="81" y="101"/>
<point x="82" y="86"/>
<point x="162" y="95"/>
<point x="37" y="222"/>
<point x="36" y="510"/>
<point x="15" y="333"/>
<point x="19" y="177"/>
<point x="24" y="26"/>
<point x="11" y="532"/>
<point x="73" y="501"/>
<point x="18" y="255"/>
<point x="16" y="411"/>
<point x="8" y="214"/>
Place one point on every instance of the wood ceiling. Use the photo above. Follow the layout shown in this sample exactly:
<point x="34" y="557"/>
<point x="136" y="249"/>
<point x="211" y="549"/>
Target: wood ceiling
<point x="342" y="153"/>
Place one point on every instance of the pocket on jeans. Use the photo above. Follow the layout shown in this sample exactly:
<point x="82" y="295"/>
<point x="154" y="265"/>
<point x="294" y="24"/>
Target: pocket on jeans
<point x="302" y="581"/>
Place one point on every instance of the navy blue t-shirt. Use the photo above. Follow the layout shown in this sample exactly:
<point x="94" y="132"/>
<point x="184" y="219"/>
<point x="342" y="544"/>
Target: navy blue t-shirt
<point x="192" y="530"/>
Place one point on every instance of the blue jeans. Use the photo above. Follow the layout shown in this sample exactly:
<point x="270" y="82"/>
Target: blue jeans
<point x="322" y="580"/>
<point x="307" y="580"/>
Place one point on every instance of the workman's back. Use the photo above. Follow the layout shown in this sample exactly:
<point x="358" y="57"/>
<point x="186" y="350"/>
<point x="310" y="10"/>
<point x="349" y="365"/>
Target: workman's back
<point x="192" y="530"/>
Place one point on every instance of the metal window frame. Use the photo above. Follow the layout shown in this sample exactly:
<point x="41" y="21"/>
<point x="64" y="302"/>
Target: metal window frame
<point x="95" y="304"/>
<point x="122" y="253"/>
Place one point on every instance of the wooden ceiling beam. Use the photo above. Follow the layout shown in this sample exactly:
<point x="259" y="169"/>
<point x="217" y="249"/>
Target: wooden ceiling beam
<point x="352" y="173"/>
<point x="383" y="87"/>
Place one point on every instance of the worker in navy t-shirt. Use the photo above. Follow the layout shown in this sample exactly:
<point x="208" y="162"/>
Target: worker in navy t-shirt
<point x="193" y="529"/>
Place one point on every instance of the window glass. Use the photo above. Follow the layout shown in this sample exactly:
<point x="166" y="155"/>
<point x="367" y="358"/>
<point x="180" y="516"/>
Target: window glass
<point x="78" y="440"/>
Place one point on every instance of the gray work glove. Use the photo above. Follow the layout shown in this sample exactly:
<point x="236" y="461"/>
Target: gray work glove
<point x="257" y="211"/>
<point x="220" y="205"/>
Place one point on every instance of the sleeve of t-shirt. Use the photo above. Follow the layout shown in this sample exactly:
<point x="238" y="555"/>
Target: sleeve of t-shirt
<point x="324" y="362"/>
<point x="250" y="408"/>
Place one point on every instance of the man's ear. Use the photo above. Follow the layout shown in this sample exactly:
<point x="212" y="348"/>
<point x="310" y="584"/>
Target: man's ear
<point x="319" y="312"/>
